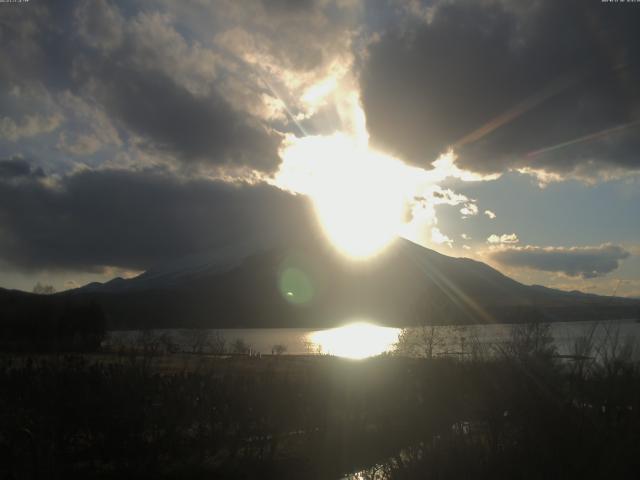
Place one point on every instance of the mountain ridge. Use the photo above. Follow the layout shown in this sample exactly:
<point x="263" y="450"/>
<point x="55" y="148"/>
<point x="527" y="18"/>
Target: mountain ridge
<point x="309" y="284"/>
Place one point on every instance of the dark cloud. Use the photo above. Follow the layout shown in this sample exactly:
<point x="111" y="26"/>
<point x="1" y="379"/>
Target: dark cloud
<point x="164" y="98"/>
<point x="17" y="168"/>
<point x="100" y="24"/>
<point x="38" y="44"/>
<point x="287" y="7"/>
<point x="171" y="118"/>
<point x="585" y="262"/>
<point x="546" y="72"/>
<point x="156" y="86"/>
<point x="92" y="219"/>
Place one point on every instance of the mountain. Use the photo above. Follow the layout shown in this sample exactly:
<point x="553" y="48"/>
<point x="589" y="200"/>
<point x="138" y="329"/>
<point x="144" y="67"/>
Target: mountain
<point x="310" y="285"/>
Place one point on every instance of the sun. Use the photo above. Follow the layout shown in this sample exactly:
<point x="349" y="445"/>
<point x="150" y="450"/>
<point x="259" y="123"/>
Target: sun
<point x="359" y="195"/>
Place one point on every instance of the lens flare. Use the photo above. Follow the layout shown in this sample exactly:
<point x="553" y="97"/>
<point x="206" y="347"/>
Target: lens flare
<point x="296" y="286"/>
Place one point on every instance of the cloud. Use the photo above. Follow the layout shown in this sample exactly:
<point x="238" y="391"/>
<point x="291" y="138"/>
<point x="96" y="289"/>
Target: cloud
<point x="144" y="81"/>
<point x="160" y="88"/>
<point x="30" y="126"/>
<point x="202" y="83"/>
<point x="546" y="86"/>
<point x="490" y="214"/>
<point x="585" y="262"/>
<point x="94" y="129"/>
<point x="440" y="238"/>
<point x="444" y="196"/>
<point x="100" y="24"/>
<point x="469" y="210"/>
<point x="295" y="47"/>
<point x="82" y="144"/>
<point x="22" y="57"/>
<point x="16" y="168"/>
<point x="168" y="117"/>
<point x="93" y="219"/>
<point x="503" y="239"/>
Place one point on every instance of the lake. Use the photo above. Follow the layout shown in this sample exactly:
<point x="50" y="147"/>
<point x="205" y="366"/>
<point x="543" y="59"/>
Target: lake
<point x="362" y="339"/>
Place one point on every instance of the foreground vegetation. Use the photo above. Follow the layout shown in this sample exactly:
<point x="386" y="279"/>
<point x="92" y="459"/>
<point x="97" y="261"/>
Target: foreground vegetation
<point x="517" y="413"/>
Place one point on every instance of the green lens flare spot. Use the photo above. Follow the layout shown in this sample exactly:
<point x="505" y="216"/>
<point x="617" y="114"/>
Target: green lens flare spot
<point x="296" y="286"/>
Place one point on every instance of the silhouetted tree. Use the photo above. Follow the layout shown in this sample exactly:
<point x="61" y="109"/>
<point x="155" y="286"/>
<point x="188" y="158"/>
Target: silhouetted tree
<point x="240" y="346"/>
<point x="41" y="289"/>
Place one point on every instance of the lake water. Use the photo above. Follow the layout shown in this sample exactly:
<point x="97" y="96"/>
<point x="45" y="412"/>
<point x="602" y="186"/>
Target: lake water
<point x="362" y="339"/>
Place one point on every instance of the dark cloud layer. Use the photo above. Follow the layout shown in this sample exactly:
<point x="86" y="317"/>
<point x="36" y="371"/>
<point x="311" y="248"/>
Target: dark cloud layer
<point x="18" y="168"/>
<point x="548" y="72"/>
<point x="585" y="262"/>
<point x="136" y="220"/>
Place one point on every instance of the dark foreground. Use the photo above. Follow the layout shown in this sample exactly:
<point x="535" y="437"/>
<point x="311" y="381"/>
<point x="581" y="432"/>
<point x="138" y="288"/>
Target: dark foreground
<point x="521" y="415"/>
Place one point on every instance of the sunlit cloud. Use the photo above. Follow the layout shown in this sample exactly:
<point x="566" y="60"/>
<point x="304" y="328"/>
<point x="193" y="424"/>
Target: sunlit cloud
<point x="544" y="177"/>
<point x="505" y="238"/>
<point x="469" y="210"/>
<point x="440" y="238"/>
<point x="588" y="173"/>
<point x="29" y="126"/>
<point x="318" y="94"/>
<point x="445" y="167"/>
<point x="490" y="214"/>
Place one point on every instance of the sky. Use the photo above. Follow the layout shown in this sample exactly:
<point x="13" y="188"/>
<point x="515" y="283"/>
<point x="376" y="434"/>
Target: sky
<point x="135" y="134"/>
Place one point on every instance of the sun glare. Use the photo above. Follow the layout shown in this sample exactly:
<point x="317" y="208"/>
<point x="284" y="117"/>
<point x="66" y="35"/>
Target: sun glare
<point x="363" y="198"/>
<point x="356" y="340"/>
<point x="359" y="195"/>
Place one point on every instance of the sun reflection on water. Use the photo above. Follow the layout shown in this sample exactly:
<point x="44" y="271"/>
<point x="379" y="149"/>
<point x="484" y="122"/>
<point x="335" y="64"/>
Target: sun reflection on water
<point x="355" y="340"/>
